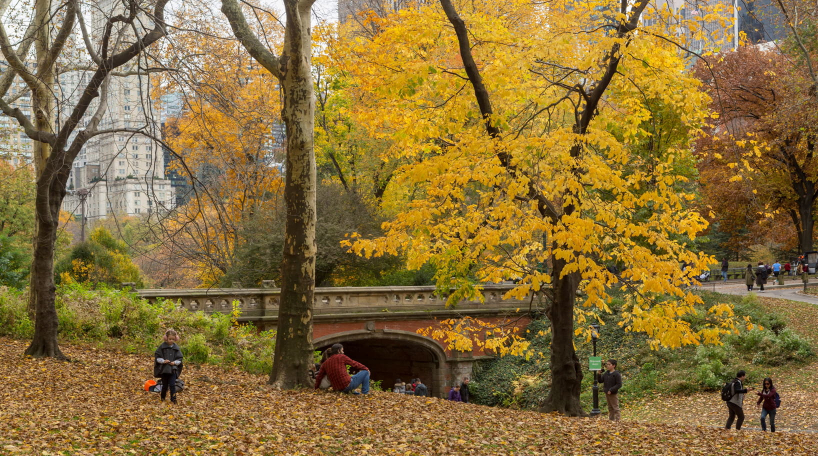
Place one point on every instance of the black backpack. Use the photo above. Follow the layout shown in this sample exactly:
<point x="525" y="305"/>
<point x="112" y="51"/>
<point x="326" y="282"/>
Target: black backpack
<point x="727" y="391"/>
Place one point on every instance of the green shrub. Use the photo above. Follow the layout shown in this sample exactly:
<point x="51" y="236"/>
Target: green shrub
<point x="195" y="349"/>
<point x="124" y="320"/>
<point x="14" y="319"/>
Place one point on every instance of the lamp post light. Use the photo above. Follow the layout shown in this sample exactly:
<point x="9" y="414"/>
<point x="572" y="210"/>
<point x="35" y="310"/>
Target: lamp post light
<point x="594" y="336"/>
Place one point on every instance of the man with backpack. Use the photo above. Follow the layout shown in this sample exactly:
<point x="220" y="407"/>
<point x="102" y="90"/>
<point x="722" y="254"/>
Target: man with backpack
<point x="733" y="394"/>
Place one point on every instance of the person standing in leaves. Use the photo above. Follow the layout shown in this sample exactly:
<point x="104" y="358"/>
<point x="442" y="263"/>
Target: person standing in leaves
<point x="464" y="390"/>
<point x="168" y="364"/>
<point x="611" y="382"/>
<point x="335" y="368"/>
<point x="735" y="405"/>
<point x="766" y="399"/>
<point x="749" y="277"/>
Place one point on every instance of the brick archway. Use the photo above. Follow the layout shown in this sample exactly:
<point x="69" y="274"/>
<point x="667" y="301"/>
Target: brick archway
<point x="394" y="354"/>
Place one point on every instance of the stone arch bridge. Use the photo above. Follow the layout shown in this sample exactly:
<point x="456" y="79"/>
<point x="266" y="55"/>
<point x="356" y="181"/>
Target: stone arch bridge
<point x="377" y="325"/>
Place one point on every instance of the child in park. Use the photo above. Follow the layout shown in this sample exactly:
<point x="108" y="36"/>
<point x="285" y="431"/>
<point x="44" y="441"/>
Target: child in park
<point x="168" y="364"/>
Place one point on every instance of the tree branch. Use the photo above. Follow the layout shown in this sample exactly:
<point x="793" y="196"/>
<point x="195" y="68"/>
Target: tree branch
<point x="234" y="14"/>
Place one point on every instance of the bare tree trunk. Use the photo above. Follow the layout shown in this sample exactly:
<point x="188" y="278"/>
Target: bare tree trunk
<point x="807" y="223"/>
<point x="293" y="69"/>
<point x="44" y="343"/>
<point x="566" y="370"/>
<point x="294" y="337"/>
<point x="43" y="107"/>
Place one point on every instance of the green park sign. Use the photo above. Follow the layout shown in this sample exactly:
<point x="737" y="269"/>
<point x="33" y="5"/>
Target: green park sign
<point x="595" y="363"/>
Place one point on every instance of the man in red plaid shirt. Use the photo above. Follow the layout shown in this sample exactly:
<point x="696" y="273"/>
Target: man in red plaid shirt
<point x="335" y="367"/>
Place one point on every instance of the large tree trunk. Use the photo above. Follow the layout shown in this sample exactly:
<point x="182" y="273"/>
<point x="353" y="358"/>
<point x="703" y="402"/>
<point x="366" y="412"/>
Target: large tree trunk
<point x="293" y="354"/>
<point x="566" y="370"/>
<point x="44" y="343"/>
<point x="43" y="107"/>
<point x="807" y="223"/>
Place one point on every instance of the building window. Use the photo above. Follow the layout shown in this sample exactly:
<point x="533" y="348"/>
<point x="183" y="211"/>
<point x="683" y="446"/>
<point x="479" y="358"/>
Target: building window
<point x="148" y="156"/>
<point x="122" y="163"/>
<point x="127" y="108"/>
<point x="136" y="203"/>
<point x="148" y="148"/>
<point x="134" y="148"/>
<point x="127" y="91"/>
<point x="136" y="194"/>
<point x="121" y="171"/>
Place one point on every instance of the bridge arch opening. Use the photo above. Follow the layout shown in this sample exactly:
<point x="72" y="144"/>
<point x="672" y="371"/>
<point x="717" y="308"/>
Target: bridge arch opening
<point x="393" y="355"/>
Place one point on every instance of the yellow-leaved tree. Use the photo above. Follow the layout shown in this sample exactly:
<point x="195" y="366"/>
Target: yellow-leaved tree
<point x="527" y="129"/>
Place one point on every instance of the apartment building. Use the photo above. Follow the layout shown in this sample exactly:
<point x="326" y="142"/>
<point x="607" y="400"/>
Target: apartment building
<point x="122" y="172"/>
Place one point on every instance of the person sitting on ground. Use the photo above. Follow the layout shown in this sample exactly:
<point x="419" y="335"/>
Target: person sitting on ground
<point x="454" y="394"/>
<point x="420" y="388"/>
<point x="335" y="368"/>
<point x="400" y="387"/>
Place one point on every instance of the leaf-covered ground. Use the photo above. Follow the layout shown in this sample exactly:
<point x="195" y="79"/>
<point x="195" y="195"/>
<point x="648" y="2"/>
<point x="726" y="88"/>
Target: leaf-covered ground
<point x="797" y="385"/>
<point x="95" y="405"/>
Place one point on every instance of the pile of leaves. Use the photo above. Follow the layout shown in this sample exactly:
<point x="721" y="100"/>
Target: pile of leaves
<point x="95" y="405"/>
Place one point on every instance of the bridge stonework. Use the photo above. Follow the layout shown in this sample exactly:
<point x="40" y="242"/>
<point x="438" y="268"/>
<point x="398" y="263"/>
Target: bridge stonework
<point x="377" y="325"/>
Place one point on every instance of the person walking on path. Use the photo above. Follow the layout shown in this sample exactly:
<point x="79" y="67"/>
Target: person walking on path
<point x="335" y="367"/>
<point x="168" y="364"/>
<point x="464" y="390"/>
<point x="735" y="405"/>
<point x="766" y="399"/>
<point x="611" y="382"/>
<point x="749" y="277"/>
<point x="805" y="275"/>
<point x="761" y="275"/>
<point x="725" y="266"/>
<point x="776" y="269"/>
<point x="787" y="268"/>
<point x="454" y="394"/>
<point x="420" y="389"/>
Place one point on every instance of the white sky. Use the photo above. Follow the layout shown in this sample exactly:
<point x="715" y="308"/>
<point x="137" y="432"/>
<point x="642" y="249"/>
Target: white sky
<point x="325" y="9"/>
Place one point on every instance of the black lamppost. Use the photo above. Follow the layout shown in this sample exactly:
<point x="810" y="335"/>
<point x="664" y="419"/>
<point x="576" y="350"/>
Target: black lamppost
<point x="594" y="336"/>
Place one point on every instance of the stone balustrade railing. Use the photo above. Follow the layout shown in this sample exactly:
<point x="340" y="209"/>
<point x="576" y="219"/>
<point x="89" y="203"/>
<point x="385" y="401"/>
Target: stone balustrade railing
<point x="258" y="303"/>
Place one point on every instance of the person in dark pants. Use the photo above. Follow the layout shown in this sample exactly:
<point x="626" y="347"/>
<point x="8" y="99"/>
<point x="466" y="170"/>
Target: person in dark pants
<point x="464" y="390"/>
<point x="735" y="405"/>
<point x="761" y="275"/>
<point x="749" y="277"/>
<point x="725" y="266"/>
<point x="611" y="382"/>
<point x="766" y="399"/>
<point x="168" y="364"/>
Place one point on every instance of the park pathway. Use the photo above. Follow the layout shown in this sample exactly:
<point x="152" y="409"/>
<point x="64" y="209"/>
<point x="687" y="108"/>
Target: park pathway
<point x="793" y="290"/>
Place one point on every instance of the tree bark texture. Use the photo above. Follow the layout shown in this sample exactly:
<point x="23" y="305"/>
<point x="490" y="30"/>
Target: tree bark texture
<point x="566" y="370"/>
<point x="293" y="354"/>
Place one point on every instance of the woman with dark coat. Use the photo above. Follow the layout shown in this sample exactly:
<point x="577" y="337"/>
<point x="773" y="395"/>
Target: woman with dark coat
<point x="761" y="275"/>
<point x="749" y="277"/>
